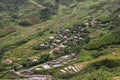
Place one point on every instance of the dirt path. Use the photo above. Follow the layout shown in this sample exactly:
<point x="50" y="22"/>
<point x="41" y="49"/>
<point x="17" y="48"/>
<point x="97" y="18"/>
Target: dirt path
<point x="116" y="78"/>
<point x="34" y="76"/>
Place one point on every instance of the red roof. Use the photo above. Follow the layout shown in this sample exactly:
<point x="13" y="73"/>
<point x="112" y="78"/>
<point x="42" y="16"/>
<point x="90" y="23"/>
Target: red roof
<point x="8" y="61"/>
<point x="57" y="49"/>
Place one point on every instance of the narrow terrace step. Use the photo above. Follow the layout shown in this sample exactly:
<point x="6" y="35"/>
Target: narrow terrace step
<point x="72" y="69"/>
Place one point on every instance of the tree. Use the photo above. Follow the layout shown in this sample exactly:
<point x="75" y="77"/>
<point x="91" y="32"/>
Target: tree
<point x="1" y="25"/>
<point x="115" y="22"/>
<point x="44" y="58"/>
<point x="57" y="2"/>
<point x="45" y="14"/>
<point x="25" y="22"/>
<point x="2" y="7"/>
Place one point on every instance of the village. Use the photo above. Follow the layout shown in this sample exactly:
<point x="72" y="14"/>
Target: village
<point x="67" y="41"/>
<point x="65" y="46"/>
<point x="64" y="39"/>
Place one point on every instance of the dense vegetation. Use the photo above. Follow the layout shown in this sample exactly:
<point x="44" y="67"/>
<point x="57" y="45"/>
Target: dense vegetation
<point x="104" y="40"/>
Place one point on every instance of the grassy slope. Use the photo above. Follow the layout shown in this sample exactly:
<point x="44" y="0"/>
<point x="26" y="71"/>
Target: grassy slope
<point x="62" y="20"/>
<point x="59" y="21"/>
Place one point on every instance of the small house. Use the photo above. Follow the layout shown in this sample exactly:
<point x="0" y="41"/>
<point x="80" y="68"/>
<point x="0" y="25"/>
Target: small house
<point x="37" y="69"/>
<point x="34" y="60"/>
<point x="57" y="49"/>
<point x="63" y="46"/>
<point x="57" y="40"/>
<point x="54" y="44"/>
<point x="8" y="61"/>
<point x="67" y="30"/>
<point x="42" y="45"/>
<point x="46" y="66"/>
<point x="57" y="65"/>
<point x="51" y="37"/>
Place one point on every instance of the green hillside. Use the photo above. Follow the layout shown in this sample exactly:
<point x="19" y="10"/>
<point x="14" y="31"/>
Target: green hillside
<point x="75" y="39"/>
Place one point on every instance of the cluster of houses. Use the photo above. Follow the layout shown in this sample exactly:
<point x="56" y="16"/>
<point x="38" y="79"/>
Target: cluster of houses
<point x="60" y="41"/>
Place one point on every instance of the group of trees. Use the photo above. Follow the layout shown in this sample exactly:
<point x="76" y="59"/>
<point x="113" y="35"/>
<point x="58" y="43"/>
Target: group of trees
<point x="44" y="58"/>
<point x="107" y="39"/>
<point x="50" y="10"/>
<point x="8" y="7"/>
<point x="11" y="5"/>
<point x="99" y="53"/>
<point x="109" y="63"/>
<point x="25" y="22"/>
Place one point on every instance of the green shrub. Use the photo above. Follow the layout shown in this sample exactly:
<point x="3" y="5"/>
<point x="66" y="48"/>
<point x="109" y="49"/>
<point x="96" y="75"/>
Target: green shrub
<point x="45" y="58"/>
<point x="103" y="18"/>
<point x="25" y="22"/>
<point x="62" y="75"/>
<point x="109" y="63"/>
<point x="100" y="53"/>
<point x="46" y="13"/>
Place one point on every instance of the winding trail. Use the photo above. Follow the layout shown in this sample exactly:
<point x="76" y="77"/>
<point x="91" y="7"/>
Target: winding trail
<point x="34" y="76"/>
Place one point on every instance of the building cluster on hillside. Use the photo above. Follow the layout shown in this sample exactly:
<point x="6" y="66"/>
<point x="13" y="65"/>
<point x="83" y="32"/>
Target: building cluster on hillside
<point x="60" y="41"/>
<point x="65" y="39"/>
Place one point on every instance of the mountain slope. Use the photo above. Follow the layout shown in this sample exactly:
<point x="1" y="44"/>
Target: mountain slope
<point x="25" y="35"/>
